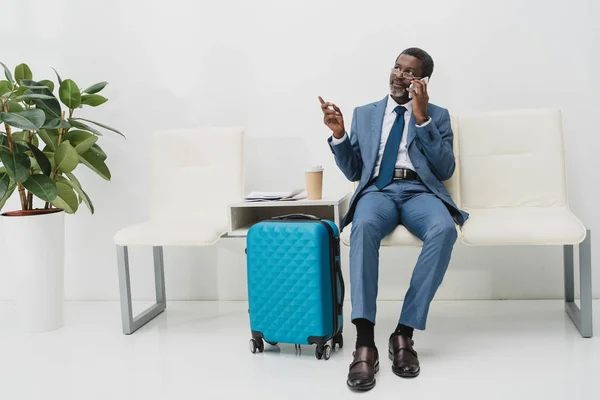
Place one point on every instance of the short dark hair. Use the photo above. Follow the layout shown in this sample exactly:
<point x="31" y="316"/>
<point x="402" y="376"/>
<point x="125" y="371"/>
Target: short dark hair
<point x="423" y="56"/>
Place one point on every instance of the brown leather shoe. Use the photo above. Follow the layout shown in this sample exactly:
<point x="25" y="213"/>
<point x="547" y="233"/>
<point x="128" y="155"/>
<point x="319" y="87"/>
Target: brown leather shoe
<point x="363" y="368"/>
<point x="404" y="357"/>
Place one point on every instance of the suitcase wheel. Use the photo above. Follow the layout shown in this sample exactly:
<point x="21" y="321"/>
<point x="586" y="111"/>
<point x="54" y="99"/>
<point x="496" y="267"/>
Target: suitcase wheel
<point x="256" y="345"/>
<point x="323" y="352"/>
<point x="339" y="340"/>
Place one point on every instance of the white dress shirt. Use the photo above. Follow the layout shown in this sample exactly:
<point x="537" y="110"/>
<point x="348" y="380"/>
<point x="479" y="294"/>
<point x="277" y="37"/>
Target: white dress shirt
<point x="403" y="160"/>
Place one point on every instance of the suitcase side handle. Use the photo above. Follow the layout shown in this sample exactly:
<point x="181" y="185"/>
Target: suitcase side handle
<point x="341" y="280"/>
<point x="297" y="216"/>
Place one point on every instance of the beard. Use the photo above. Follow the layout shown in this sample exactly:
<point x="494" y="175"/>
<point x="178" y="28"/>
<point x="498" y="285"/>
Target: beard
<point x="397" y="92"/>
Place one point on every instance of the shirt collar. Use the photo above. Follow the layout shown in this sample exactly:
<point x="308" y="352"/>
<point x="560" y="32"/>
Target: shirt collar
<point x="392" y="104"/>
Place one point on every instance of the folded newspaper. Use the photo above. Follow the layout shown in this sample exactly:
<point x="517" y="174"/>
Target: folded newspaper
<point x="296" y="194"/>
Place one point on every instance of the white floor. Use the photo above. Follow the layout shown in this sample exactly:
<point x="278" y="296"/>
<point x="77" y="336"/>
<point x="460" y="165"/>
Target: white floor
<point x="199" y="350"/>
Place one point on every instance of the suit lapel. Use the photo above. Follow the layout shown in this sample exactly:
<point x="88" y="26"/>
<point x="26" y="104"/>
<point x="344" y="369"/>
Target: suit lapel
<point x="376" y="118"/>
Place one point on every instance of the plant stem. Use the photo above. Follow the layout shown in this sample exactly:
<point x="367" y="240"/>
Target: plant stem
<point x="55" y="172"/>
<point x="60" y="135"/>
<point x="12" y="150"/>
<point x="31" y="171"/>
<point x="60" y="130"/>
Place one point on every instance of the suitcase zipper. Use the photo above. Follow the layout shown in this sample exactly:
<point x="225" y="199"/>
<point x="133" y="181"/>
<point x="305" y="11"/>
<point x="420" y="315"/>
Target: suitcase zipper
<point x="334" y="245"/>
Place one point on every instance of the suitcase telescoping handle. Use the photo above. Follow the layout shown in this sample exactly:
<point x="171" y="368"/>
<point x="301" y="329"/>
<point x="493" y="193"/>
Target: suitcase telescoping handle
<point x="297" y="216"/>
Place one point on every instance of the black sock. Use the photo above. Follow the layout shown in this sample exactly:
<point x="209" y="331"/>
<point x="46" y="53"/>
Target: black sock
<point x="404" y="330"/>
<point x="365" y="333"/>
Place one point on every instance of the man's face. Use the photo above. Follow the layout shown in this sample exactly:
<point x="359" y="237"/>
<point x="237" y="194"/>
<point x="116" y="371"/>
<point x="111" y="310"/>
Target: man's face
<point x="400" y="80"/>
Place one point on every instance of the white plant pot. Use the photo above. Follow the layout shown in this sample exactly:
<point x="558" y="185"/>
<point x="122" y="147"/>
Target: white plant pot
<point x="35" y="247"/>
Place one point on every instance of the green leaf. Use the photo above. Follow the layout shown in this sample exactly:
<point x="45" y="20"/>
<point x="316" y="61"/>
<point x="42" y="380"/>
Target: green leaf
<point x="30" y="120"/>
<point x="7" y="74"/>
<point x="13" y="106"/>
<point x="81" y="140"/>
<point x="48" y="84"/>
<point x="73" y="178"/>
<point x="27" y="84"/>
<point x="66" y="158"/>
<point x="5" y="87"/>
<point x="95" y="88"/>
<point x="100" y="125"/>
<point x="74" y="183"/>
<point x="7" y="193"/>
<point x="69" y="94"/>
<point x="4" y="183"/>
<point x="99" y="152"/>
<point x="18" y="147"/>
<point x="96" y="164"/>
<point x="22" y="71"/>
<point x="32" y="96"/>
<point x="41" y="159"/>
<point x="81" y="125"/>
<point x="22" y="138"/>
<point x="50" y="106"/>
<point x="66" y="198"/>
<point x="56" y="123"/>
<point x="20" y="91"/>
<point x="50" y="155"/>
<point x="41" y="186"/>
<point x="93" y="100"/>
<point x="17" y="165"/>
<point x="50" y="137"/>
<point x="58" y="76"/>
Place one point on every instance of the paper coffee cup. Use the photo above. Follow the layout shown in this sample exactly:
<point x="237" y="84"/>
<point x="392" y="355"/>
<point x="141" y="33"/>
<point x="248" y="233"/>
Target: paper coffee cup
<point x="314" y="182"/>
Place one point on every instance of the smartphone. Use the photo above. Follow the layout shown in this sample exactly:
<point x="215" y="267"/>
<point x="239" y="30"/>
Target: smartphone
<point x="426" y="80"/>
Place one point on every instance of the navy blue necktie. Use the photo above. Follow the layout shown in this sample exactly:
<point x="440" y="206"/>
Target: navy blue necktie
<point x="390" y="153"/>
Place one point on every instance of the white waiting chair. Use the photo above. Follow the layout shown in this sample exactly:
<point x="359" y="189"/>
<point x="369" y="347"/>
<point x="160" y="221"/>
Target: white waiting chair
<point x="195" y="174"/>
<point x="513" y="184"/>
<point x="510" y="177"/>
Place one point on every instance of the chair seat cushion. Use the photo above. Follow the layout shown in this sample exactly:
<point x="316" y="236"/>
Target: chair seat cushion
<point x="169" y="233"/>
<point x="399" y="237"/>
<point x="522" y="226"/>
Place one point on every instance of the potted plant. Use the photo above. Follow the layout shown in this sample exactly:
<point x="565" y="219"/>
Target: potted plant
<point x="42" y="142"/>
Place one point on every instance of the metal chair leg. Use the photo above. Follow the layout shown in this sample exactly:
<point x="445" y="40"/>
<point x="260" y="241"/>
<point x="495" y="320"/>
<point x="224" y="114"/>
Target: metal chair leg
<point x="582" y="318"/>
<point x="130" y="322"/>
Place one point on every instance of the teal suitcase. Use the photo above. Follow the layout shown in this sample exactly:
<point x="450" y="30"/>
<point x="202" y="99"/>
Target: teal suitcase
<point x="295" y="283"/>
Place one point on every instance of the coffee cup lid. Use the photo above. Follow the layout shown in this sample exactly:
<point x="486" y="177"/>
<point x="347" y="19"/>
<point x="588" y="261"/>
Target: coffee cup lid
<point x="315" y="168"/>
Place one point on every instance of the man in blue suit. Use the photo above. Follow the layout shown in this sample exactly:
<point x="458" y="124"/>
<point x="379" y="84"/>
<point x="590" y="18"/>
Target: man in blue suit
<point x="400" y="151"/>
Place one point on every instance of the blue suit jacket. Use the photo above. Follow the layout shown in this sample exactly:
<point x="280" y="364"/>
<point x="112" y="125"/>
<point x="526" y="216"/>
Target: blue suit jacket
<point x="429" y="148"/>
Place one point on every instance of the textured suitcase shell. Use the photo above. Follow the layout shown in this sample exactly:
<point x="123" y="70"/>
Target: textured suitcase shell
<point x="290" y="274"/>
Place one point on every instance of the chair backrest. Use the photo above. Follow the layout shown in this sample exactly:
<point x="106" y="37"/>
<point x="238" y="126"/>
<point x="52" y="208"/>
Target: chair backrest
<point x="196" y="173"/>
<point x="512" y="159"/>
<point x="452" y="184"/>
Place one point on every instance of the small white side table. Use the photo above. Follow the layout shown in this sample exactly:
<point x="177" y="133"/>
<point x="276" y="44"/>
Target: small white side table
<point x="242" y="215"/>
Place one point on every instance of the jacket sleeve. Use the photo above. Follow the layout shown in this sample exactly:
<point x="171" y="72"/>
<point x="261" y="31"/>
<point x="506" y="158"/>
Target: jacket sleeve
<point x="436" y="140"/>
<point x="347" y="153"/>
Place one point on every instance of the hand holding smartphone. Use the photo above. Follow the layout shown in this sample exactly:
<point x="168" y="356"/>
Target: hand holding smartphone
<point x="426" y="80"/>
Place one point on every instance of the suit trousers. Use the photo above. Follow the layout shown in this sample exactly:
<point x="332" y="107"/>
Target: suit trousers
<point x="378" y="212"/>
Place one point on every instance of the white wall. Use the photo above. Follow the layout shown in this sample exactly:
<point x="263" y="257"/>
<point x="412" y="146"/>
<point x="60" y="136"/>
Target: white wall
<point x="262" y="64"/>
